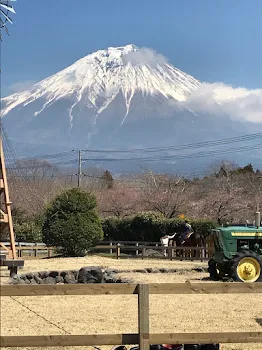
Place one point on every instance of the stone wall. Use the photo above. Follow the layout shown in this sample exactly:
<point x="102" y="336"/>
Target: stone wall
<point x="90" y="274"/>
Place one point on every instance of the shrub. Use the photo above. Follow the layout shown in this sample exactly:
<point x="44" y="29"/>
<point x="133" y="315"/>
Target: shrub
<point x="27" y="228"/>
<point x="149" y="226"/>
<point x="71" y="222"/>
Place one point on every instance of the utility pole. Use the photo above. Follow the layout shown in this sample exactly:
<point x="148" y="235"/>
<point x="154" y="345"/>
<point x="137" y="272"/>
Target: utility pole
<point x="79" y="173"/>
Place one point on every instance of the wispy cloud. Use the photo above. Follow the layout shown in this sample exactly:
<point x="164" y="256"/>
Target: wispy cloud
<point x="145" y="56"/>
<point x="218" y="98"/>
<point x="21" y="86"/>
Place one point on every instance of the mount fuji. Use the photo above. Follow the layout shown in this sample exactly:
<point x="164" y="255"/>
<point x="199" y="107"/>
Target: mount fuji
<point x="120" y="97"/>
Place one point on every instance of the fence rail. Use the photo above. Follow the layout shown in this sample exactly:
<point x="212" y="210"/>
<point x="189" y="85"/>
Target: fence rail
<point x="144" y="338"/>
<point x="119" y="247"/>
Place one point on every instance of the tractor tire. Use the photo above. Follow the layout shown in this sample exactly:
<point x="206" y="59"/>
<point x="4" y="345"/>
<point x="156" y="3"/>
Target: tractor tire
<point x="212" y="269"/>
<point x="246" y="267"/>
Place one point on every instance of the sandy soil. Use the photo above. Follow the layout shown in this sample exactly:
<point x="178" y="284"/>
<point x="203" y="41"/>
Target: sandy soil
<point x="117" y="314"/>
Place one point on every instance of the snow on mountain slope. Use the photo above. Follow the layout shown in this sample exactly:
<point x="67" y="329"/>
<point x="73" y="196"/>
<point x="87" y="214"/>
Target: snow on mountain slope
<point x="124" y="97"/>
<point x="97" y="79"/>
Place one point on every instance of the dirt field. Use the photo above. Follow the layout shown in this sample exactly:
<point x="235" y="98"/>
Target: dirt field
<point x="117" y="314"/>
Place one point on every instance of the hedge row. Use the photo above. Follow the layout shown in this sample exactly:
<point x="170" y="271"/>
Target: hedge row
<point x="148" y="227"/>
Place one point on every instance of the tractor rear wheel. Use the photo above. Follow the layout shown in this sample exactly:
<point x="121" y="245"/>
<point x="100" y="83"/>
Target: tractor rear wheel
<point x="247" y="267"/>
<point x="212" y="269"/>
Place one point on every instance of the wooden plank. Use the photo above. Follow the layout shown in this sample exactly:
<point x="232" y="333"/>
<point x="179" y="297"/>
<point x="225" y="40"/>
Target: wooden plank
<point x="117" y="288"/>
<point x="12" y="263"/>
<point x="205" y="288"/>
<point x="33" y="248"/>
<point x="7" y="201"/>
<point x="143" y="316"/>
<point x="68" y="340"/>
<point x="128" y="339"/>
<point x="206" y="338"/>
<point x="4" y="246"/>
<point x="118" y="252"/>
<point x="68" y="289"/>
<point x="4" y="217"/>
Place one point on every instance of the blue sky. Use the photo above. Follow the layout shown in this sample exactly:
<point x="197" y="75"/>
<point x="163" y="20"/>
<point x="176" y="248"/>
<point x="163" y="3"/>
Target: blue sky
<point x="212" y="40"/>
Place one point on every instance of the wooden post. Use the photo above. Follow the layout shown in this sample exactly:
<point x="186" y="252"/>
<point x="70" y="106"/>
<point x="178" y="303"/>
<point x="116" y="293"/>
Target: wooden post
<point x="137" y="249"/>
<point x="201" y="252"/>
<point x="35" y="250"/>
<point x="49" y="252"/>
<point x="143" y="316"/>
<point x="143" y="252"/>
<point x="7" y="215"/>
<point x="111" y="250"/>
<point x="117" y="251"/>
<point x="19" y="250"/>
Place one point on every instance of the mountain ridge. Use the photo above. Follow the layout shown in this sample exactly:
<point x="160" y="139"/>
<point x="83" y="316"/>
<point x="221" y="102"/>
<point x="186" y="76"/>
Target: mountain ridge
<point x="117" y="97"/>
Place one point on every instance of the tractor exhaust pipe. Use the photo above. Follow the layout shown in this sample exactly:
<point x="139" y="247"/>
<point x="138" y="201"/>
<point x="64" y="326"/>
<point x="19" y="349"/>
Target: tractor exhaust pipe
<point x="257" y="219"/>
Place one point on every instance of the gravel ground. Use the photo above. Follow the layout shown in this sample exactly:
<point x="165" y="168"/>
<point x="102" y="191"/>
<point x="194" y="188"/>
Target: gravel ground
<point x="118" y="314"/>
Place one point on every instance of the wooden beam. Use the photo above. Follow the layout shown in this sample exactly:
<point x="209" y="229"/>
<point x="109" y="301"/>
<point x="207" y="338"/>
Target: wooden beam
<point x="128" y="339"/>
<point x="125" y="288"/>
<point x="68" y="340"/>
<point x="1" y="184"/>
<point x="4" y="247"/>
<point x="205" y="288"/>
<point x="68" y="289"/>
<point x="143" y="316"/>
<point x="206" y="338"/>
<point x="7" y="201"/>
<point x="3" y="217"/>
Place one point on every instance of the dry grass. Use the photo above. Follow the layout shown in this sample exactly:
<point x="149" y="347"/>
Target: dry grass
<point x="118" y="314"/>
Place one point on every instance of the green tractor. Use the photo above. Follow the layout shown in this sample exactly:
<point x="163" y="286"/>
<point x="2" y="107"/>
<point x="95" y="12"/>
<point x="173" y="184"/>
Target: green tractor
<point x="237" y="253"/>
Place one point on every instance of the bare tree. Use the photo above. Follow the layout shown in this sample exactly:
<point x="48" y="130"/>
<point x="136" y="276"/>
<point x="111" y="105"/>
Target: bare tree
<point x="163" y="193"/>
<point x="222" y="197"/>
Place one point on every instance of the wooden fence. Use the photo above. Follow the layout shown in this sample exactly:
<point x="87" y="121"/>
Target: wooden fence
<point x="144" y="338"/>
<point x="134" y="249"/>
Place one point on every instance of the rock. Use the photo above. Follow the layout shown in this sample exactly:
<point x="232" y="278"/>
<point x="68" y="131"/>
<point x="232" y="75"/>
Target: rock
<point x="141" y="271"/>
<point x="29" y="275"/>
<point x="49" y="280"/>
<point x="23" y="277"/>
<point x="76" y="273"/>
<point x="111" y="271"/>
<point x="53" y="274"/>
<point x="43" y="274"/>
<point x="27" y="281"/>
<point x="59" y="279"/>
<point x="109" y="278"/>
<point x="33" y="281"/>
<point x="69" y="277"/>
<point x="38" y="280"/>
<point x="90" y="274"/>
<point x="63" y="273"/>
<point x="16" y="280"/>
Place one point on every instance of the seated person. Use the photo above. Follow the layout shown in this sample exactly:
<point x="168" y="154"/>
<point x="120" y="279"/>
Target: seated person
<point x="187" y="230"/>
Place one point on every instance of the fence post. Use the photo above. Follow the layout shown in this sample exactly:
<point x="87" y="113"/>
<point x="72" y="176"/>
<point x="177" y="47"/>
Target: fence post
<point x="19" y="250"/>
<point x="117" y="251"/>
<point x="111" y="250"/>
<point x="143" y="316"/>
<point x="143" y="252"/>
<point x="35" y="250"/>
<point x="137" y="249"/>
<point x="49" y="252"/>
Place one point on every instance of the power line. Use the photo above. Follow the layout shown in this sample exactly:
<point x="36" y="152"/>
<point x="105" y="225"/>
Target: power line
<point x="182" y="147"/>
<point x="179" y="157"/>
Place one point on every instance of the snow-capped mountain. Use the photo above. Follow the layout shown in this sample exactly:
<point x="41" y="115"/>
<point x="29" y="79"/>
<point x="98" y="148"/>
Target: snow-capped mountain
<point x="117" y="97"/>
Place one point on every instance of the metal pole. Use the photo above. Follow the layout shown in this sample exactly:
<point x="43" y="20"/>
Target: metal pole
<point x="79" y="173"/>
